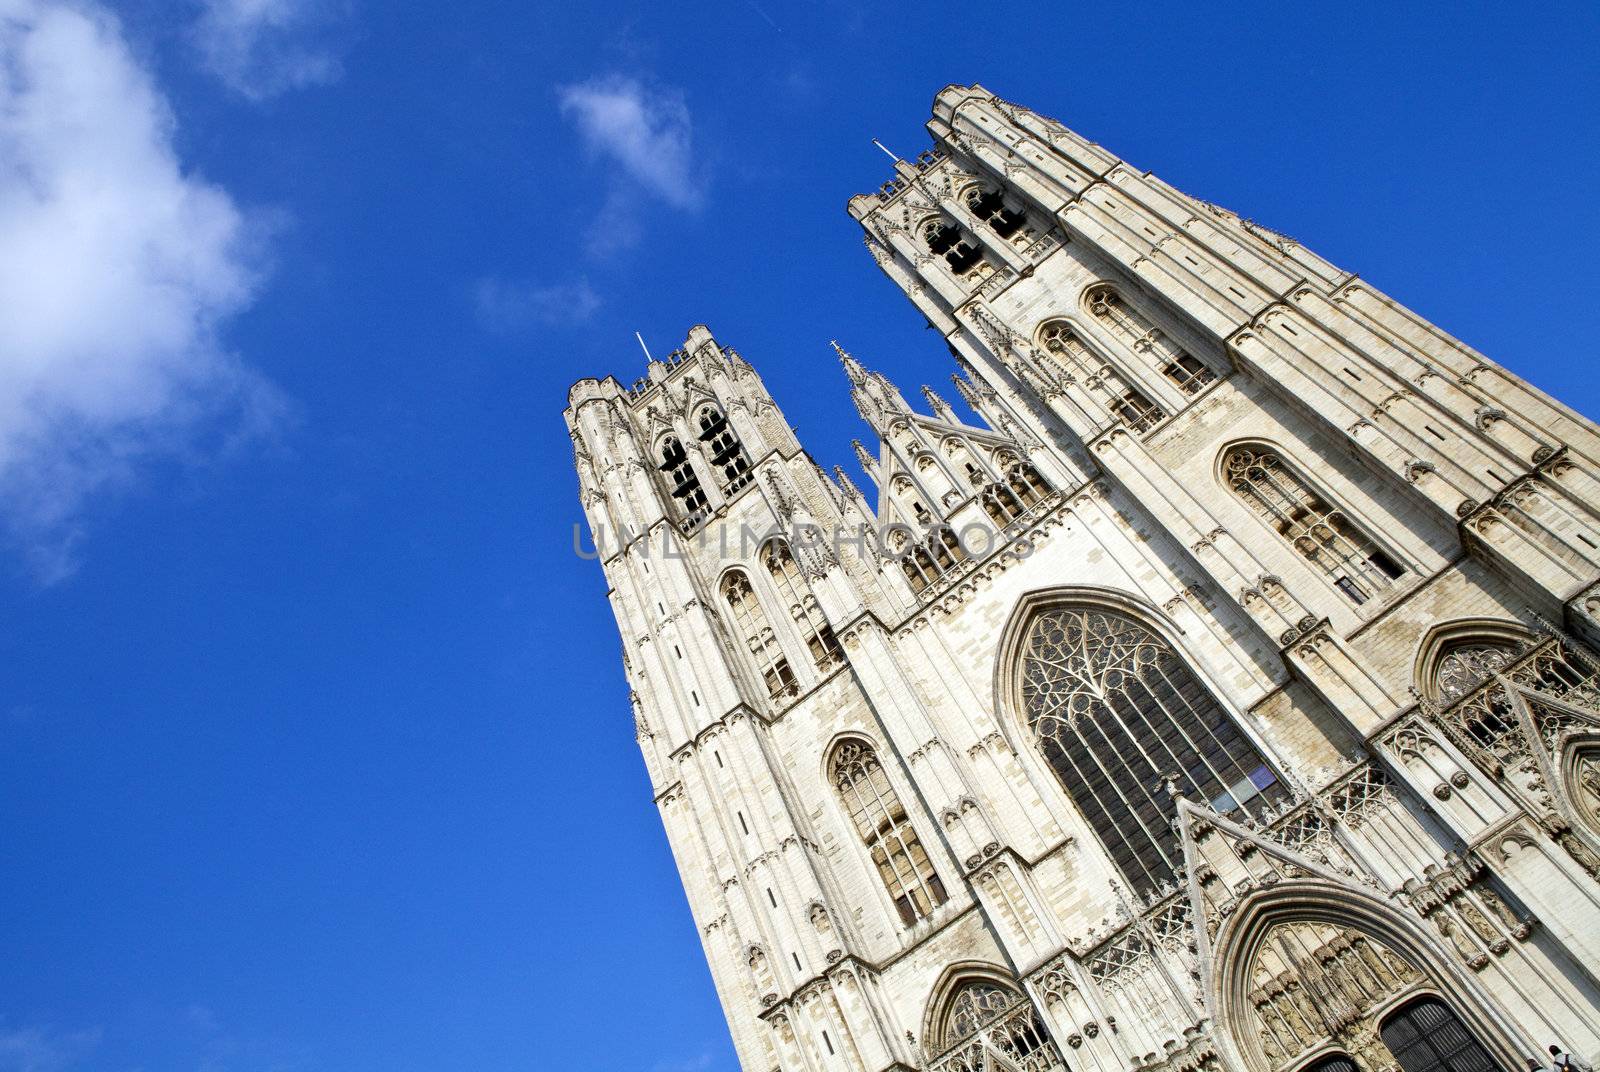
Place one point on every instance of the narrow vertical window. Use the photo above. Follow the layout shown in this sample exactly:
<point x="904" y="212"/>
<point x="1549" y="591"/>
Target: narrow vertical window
<point x="896" y="852"/>
<point x="751" y="625"/>
<point x="1313" y="526"/>
<point x="682" y="481"/>
<point x="796" y="594"/>
<point x="1135" y="330"/>
<point x="1075" y="361"/>
<point x="727" y="453"/>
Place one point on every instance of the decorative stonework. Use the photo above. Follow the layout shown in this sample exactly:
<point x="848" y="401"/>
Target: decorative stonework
<point x="1240" y="746"/>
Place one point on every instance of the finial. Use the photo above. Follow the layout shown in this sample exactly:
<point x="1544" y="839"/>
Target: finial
<point x="1171" y="783"/>
<point x="845" y="482"/>
<point x="964" y="389"/>
<point x="852" y="367"/>
<point x="863" y="457"/>
<point x="941" y="408"/>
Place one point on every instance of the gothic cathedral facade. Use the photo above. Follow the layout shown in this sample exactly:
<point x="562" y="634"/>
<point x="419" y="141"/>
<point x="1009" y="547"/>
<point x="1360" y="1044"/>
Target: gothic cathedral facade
<point x="1227" y="701"/>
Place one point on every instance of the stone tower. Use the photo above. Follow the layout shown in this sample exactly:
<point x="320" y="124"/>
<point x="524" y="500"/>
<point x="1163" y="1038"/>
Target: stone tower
<point x="1227" y="701"/>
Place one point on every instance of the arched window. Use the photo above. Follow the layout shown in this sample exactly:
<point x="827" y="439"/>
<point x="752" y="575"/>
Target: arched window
<point x="1126" y="323"/>
<point x="947" y="240"/>
<point x="1026" y="482"/>
<point x="1116" y="711"/>
<point x="1426" y="1036"/>
<point x="1468" y="663"/>
<point x="808" y="619"/>
<point x="875" y="809"/>
<point x="727" y="453"/>
<point x="983" y="1017"/>
<point x="973" y="1005"/>
<point x="1460" y="664"/>
<point x="1001" y="504"/>
<point x="1317" y="529"/>
<point x="1076" y="361"/>
<point x="751" y="625"/>
<point x="990" y="207"/>
<point x="685" y="485"/>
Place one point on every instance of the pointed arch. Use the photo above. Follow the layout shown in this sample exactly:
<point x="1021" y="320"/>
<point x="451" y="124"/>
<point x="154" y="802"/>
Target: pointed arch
<point x="751" y="626"/>
<point x="1387" y="954"/>
<point x="1074" y="360"/>
<point x="1578" y="768"/>
<point x="1133" y="328"/>
<point x="989" y="206"/>
<point x="801" y="604"/>
<point x="880" y="820"/>
<point x="1308" y="519"/>
<point x="683" y="483"/>
<point x="1114" y="706"/>
<point x="961" y="251"/>
<point x="978" y="1009"/>
<point x="722" y="444"/>
<point x="1454" y="656"/>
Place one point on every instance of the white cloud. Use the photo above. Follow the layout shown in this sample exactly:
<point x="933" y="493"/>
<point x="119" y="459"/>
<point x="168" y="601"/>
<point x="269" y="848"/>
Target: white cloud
<point x="116" y="271"/>
<point x="508" y="305"/>
<point x="260" y="48"/>
<point x="648" y="131"/>
<point x="40" y="1049"/>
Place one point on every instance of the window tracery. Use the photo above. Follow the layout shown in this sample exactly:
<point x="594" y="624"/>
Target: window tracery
<point x="973" y="1006"/>
<point x="1469" y="663"/>
<point x="1319" y="531"/>
<point x="1187" y="372"/>
<point x="1073" y="360"/>
<point x="880" y="820"/>
<point x="1008" y="499"/>
<point x="803" y="609"/>
<point x="987" y="1025"/>
<point x="1116" y="711"/>
<point x="751" y="625"/>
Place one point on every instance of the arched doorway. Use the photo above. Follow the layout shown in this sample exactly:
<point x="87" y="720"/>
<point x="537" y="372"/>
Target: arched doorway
<point x="1306" y="969"/>
<point x="1335" y="1062"/>
<point x="1426" y="1036"/>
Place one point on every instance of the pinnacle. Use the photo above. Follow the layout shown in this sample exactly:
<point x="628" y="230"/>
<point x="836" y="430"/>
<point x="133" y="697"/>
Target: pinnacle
<point x="852" y="367"/>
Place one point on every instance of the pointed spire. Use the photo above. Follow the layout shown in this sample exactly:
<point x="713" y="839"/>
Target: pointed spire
<point x="875" y="397"/>
<point x="850" y="490"/>
<point x="941" y="408"/>
<point x="785" y="503"/>
<point x="869" y="464"/>
<point x="964" y="388"/>
<point x="852" y="367"/>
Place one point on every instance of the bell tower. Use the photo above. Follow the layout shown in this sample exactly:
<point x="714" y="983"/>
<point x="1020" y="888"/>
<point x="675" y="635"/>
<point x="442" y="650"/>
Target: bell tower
<point x="1223" y="700"/>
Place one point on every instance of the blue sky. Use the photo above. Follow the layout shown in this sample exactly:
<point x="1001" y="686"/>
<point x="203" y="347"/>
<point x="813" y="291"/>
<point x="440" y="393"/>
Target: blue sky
<point x="314" y="745"/>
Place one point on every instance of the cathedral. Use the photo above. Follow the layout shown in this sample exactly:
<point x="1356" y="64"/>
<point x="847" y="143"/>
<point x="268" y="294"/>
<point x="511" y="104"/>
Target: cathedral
<point x="1226" y="698"/>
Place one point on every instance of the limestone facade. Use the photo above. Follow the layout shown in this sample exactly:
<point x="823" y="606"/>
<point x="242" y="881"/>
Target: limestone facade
<point x="1227" y="701"/>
